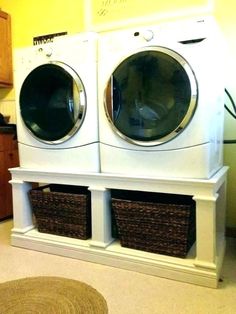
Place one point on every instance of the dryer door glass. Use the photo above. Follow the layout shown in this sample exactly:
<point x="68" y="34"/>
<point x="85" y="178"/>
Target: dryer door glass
<point x="151" y="96"/>
<point x="52" y="102"/>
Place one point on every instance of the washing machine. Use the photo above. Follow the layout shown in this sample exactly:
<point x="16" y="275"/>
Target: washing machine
<point x="56" y="104"/>
<point x="161" y="99"/>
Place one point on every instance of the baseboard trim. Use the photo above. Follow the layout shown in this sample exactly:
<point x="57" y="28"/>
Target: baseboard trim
<point x="114" y="255"/>
<point x="230" y="232"/>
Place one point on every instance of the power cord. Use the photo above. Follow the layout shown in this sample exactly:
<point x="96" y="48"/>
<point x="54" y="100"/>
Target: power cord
<point x="233" y="114"/>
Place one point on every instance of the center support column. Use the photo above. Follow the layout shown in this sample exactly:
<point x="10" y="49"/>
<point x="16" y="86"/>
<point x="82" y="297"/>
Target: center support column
<point x="101" y="217"/>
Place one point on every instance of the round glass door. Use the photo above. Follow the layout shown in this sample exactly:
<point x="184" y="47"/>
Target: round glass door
<point x="151" y="96"/>
<point x="52" y="102"/>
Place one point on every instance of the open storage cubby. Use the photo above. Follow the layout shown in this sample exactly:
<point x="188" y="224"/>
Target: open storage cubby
<point x="62" y="210"/>
<point x="202" y="264"/>
<point x="154" y="222"/>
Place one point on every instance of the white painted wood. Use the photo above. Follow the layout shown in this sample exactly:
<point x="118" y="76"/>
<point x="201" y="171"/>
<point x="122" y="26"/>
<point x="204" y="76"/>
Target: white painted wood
<point x="206" y="228"/>
<point x="204" y="261"/>
<point x="21" y="207"/>
<point x="220" y="212"/>
<point x="114" y="255"/>
<point x="101" y="217"/>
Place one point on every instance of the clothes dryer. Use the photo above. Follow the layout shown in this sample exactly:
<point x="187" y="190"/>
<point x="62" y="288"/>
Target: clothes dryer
<point x="56" y="104"/>
<point x="161" y="99"/>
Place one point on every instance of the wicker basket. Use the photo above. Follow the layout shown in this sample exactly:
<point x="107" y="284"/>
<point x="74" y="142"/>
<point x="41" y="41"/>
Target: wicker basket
<point x="154" y="222"/>
<point x="62" y="210"/>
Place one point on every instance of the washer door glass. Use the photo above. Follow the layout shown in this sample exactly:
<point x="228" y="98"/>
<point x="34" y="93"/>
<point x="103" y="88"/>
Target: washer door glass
<point x="151" y="96"/>
<point x="52" y="102"/>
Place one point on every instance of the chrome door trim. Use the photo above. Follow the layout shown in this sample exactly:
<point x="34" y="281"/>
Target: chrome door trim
<point x="82" y="104"/>
<point x="192" y="105"/>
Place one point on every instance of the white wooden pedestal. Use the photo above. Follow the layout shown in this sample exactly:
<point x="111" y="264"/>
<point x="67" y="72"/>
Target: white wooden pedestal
<point x="202" y="265"/>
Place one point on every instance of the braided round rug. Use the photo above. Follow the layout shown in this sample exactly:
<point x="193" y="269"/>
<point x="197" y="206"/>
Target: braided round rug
<point x="50" y="295"/>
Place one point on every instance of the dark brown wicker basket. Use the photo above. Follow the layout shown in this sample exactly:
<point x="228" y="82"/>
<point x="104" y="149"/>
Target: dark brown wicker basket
<point x="154" y="222"/>
<point x="62" y="210"/>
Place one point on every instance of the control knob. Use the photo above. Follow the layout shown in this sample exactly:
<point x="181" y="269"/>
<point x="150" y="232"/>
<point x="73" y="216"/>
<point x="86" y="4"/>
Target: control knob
<point x="147" y="35"/>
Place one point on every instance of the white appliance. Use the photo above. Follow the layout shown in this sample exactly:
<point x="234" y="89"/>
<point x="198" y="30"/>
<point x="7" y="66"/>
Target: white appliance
<point x="160" y="94"/>
<point x="56" y="104"/>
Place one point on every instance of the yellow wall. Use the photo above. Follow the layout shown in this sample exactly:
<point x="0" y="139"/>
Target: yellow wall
<point x="225" y="13"/>
<point x="33" y="18"/>
<point x="105" y="11"/>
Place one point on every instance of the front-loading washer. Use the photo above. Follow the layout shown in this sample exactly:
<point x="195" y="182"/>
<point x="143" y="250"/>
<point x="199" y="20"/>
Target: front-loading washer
<point x="161" y="99"/>
<point x="56" y="104"/>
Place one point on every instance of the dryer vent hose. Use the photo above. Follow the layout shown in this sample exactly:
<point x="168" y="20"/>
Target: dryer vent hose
<point x="232" y="113"/>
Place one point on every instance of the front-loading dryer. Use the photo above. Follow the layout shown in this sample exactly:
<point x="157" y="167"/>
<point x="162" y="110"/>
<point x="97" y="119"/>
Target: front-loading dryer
<point x="161" y="92"/>
<point x="56" y="104"/>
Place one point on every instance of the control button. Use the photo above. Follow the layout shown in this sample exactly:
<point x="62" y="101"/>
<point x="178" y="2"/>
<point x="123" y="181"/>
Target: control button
<point x="44" y="51"/>
<point x="48" y="51"/>
<point x="148" y="35"/>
